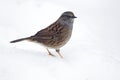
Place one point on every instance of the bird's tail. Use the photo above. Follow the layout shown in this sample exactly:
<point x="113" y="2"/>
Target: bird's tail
<point x="18" y="40"/>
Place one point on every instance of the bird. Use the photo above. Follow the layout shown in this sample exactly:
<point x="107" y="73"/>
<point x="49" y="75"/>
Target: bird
<point x="55" y="35"/>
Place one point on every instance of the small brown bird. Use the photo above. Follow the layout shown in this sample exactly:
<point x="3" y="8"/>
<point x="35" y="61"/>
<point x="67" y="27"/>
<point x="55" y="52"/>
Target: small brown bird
<point x="56" y="35"/>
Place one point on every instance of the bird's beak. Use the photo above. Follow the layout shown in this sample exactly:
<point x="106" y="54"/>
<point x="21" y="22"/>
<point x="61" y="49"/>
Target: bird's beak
<point x="74" y="17"/>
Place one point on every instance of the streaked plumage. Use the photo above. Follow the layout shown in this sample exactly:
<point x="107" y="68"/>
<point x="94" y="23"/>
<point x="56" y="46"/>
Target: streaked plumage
<point x="56" y="35"/>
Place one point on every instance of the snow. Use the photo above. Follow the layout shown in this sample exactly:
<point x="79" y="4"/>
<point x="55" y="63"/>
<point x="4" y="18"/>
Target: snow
<point x="93" y="53"/>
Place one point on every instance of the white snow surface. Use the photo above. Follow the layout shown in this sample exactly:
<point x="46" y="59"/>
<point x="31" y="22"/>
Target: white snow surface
<point x="93" y="53"/>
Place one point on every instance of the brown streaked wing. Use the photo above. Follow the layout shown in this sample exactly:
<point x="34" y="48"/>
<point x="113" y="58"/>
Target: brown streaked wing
<point x="48" y="33"/>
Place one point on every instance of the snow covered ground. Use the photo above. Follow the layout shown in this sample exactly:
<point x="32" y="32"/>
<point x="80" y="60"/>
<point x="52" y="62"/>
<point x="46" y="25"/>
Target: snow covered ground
<point x="93" y="53"/>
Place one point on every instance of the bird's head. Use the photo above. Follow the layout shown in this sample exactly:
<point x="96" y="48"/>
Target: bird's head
<point x="67" y="17"/>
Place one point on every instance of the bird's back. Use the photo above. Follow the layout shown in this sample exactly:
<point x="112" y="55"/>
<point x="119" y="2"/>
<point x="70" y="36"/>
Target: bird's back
<point x="54" y="36"/>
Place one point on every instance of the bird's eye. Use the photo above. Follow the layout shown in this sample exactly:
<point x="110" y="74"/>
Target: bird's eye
<point x="68" y="16"/>
<point x="71" y="16"/>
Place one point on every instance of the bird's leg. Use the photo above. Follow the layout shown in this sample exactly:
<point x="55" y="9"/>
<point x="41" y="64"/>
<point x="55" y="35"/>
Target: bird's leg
<point x="58" y="51"/>
<point x="50" y="52"/>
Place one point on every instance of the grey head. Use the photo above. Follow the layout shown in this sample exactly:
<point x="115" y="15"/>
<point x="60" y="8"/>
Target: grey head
<point x="67" y="18"/>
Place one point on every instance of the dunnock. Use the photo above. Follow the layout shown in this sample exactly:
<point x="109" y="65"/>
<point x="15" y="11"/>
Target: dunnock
<point x="56" y="35"/>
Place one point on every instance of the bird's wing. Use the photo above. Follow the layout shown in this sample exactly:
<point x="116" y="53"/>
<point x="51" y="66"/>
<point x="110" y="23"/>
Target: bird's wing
<point x="43" y="35"/>
<point x="47" y="33"/>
